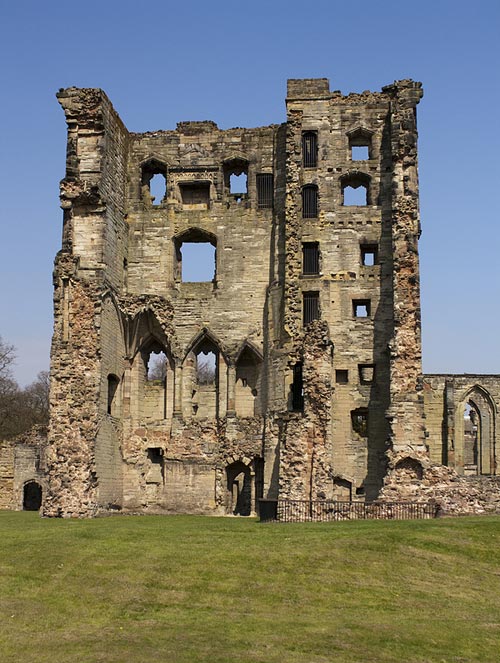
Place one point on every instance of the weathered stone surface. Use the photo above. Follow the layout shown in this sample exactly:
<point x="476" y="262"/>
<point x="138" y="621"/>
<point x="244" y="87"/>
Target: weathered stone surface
<point x="311" y="316"/>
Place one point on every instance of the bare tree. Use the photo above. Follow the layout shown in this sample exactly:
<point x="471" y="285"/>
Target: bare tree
<point x="157" y="368"/>
<point x="20" y="409"/>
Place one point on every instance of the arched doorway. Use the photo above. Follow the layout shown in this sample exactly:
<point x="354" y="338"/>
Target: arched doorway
<point x="32" y="496"/>
<point x="239" y="488"/>
<point x="477" y="423"/>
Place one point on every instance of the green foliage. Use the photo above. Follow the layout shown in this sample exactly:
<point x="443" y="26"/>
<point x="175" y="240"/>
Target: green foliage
<point x="192" y="589"/>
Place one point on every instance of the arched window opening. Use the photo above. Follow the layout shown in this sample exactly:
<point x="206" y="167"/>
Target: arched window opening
<point x="478" y="446"/>
<point x="247" y="388"/>
<point x="113" y="384"/>
<point x="356" y="190"/>
<point x="155" y="389"/>
<point x="203" y="379"/>
<point x="206" y="367"/>
<point x="32" y="496"/>
<point x="154" y="182"/>
<point x="309" y="201"/>
<point x="156" y="366"/>
<point x="195" y="257"/>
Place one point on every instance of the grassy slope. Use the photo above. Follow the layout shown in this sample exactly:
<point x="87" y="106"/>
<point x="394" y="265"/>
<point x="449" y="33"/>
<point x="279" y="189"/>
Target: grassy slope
<point x="188" y="589"/>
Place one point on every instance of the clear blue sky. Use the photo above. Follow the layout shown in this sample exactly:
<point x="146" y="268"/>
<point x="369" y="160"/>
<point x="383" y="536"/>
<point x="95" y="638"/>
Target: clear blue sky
<point x="163" y="62"/>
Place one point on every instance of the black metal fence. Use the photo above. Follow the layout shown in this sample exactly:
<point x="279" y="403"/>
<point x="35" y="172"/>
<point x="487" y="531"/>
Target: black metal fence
<point x="300" y="511"/>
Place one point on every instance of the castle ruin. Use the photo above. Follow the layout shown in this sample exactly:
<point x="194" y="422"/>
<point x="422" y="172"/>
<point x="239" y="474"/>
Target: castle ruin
<point x="293" y="366"/>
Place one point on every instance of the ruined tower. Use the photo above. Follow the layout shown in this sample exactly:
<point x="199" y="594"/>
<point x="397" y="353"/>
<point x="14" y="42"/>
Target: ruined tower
<point x="294" y="367"/>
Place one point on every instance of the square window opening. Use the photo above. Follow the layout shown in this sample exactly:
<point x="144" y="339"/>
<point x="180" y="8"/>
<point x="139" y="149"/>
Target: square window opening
<point x="341" y="376"/>
<point x="366" y="373"/>
<point x="360" y="153"/>
<point x="361" y="308"/>
<point x="369" y="255"/>
<point x="197" y="260"/>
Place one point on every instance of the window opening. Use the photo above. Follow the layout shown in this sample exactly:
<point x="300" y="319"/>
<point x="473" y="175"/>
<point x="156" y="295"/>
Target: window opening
<point x="310" y="149"/>
<point x="157" y="366"/>
<point x="155" y="455"/>
<point x="355" y="195"/>
<point x="342" y="489"/>
<point x="154" y="182"/>
<point x="361" y="308"/>
<point x="206" y="363"/>
<point x="297" y="389"/>
<point x="341" y="376"/>
<point x="265" y="190"/>
<point x="359" y="420"/>
<point x="157" y="188"/>
<point x="310" y="258"/>
<point x="198" y="262"/>
<point x="310" y="201"/>
<point x="238" y="186"/>
<point x="113" y="382"/>
<point x="360" y="153"/>
<point x="195" y="195"/>
<point x="366" y="373"/>
<point x="369" y="255"/>
<point x="360" y="141"/>
<point x="310" y="307"/>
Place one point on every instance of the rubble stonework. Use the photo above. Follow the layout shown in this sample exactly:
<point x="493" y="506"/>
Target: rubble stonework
<point x="311" y="317"/>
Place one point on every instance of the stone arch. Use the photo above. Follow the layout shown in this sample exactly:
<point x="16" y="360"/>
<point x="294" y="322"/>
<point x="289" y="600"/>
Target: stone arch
<point x="475" y="423"/>
<point x="32" y="496"/>
<point x="248" y="377"/>
<point x="409" y="469"/>
<point x="244" y="485"/>
<point x="152" y="380"/>
<point x="204" y="376"/>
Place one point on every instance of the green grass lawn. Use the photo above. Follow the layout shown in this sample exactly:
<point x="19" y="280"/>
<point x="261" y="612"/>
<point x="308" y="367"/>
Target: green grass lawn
<point x="184" y="589"/>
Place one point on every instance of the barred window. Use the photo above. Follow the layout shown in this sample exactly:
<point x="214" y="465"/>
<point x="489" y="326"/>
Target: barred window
<point x="310" y="149"/>
<point x="265" y="190"/>
<point x="309" y="201"/>
<point x="310" y="307"/>
<point x="310" y="258"/>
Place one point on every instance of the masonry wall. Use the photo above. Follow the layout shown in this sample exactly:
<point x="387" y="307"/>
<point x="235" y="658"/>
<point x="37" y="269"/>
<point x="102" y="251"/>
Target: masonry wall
<point x="299" y="404"/>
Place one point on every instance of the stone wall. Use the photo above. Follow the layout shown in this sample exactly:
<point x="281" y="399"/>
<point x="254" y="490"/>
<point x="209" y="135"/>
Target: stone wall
<point x="309" y="317"/>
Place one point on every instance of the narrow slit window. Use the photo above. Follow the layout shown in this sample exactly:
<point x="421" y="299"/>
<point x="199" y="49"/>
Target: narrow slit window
<point x="297" y="389"/>
<point x="310" y="201"/>
<point x="265" y="190"/>
<point x="361" y="308"/>
<point x="310" y="149"/>
<point x="310" y="258"/>
<point x="310" y="307"/>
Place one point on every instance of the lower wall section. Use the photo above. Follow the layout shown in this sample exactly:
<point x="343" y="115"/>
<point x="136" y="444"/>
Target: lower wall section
<point x="413" y="478"/>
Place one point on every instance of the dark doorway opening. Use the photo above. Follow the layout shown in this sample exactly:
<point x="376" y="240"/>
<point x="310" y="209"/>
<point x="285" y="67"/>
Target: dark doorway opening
<point x="32" y="496"/>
